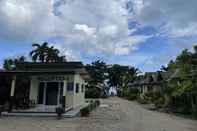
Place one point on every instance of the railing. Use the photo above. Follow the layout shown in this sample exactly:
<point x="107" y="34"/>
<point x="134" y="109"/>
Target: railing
<point x="25" y="104"/>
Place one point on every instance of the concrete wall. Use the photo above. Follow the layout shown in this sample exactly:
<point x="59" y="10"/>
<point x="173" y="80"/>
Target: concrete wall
<point x="73" y="99"/>
<point x="79" y="98"/>
<point x="69" y="94"/>
<point x="34" y="89"/>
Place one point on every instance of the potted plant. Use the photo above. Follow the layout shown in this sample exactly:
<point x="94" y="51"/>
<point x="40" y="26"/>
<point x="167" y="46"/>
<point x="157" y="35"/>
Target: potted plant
<point x="60" y="111"/>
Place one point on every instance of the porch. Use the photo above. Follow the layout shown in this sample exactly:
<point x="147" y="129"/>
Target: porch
<point x="41" y="112"/>
<point x="39" y="109"/>
<point x="38" y="95"/>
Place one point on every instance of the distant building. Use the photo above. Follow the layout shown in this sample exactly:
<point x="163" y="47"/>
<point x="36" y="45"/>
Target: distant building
<point x="152" y="81"/>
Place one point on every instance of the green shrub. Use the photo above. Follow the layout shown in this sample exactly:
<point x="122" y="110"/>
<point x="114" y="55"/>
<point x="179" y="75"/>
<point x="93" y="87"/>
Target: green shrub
<point x="92" y="92"/>
<point x="59" y="111"/>
<point x="97" y="102"/>
<point x="85" y="111"/>
<point x="141" y="100"/>
<point x="159" y="102"/>
<point x="125" y="93"/>
<point x="132" y="97"/>
<point x="194" y="114"/>
<point x="129" y="93"/>
<point x="151" y="96"/>
<point x="183" y="110"/>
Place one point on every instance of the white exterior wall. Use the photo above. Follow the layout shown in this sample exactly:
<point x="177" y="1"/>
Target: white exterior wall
<point x="34" y="89"/>
<point x="73" y="99"/>
<point x="69" y="94"/>
<point x="79" y="98"/>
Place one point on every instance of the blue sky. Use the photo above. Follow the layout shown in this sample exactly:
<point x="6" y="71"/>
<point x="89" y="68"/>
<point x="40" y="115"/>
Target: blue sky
<point x="142" y="33"/>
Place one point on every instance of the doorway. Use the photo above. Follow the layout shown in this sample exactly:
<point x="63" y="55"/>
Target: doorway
<point x="50" y="93"/>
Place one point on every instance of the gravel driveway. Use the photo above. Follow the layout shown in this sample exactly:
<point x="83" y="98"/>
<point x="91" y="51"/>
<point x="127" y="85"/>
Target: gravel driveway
<point x="115" y="114"/>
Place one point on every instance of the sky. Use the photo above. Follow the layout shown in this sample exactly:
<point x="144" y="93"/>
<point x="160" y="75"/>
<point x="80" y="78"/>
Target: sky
<point x="142" y="33"/>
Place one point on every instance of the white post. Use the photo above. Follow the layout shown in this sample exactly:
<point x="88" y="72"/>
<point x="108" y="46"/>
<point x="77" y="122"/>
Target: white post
<point x="12" y="93"/>
<point x="45" y="92"/>
<point x="59" y="94"/>
<point x="64" y="88"/>
<point x="13" y="86"/>
<point x="64" y="94"/>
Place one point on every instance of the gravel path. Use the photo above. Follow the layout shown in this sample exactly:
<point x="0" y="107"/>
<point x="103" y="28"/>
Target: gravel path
<point x="115" y="115"/>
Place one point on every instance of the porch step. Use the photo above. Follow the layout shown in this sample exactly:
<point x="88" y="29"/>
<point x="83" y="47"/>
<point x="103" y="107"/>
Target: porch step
<point x="69" y="113"/>
<point x="28" y="114"/>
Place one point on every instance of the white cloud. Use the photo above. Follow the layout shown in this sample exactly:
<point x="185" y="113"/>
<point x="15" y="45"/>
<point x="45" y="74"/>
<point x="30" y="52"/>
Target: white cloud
<point x="85" y="26"/>
<point x="125" y="46"/>
<point x="85" y="29"/>
<point x="175" y="18"/>
<point x="26" y="20"/>
<point x="110" y="30"/>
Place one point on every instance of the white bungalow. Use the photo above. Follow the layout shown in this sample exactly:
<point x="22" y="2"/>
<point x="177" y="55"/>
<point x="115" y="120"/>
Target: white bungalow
<point x="41" y="87"/>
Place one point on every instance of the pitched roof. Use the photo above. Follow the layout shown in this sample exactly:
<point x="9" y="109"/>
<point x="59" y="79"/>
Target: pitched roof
<point x="150" y="78"/>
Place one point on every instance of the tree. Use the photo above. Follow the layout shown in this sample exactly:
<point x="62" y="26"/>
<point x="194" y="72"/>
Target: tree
<point x="163" y="68"/>
<point x="46" y="53"/>
<point x="120" y="76"/>
<point x="116" y="73"/>
<point x="130" y="75"/>
<point x="10" y="64"/>
<point x="97" y="71"/>
<point x="40" y="52"/>
<point x="52" y="54"/>
<point x="183" y="89"/>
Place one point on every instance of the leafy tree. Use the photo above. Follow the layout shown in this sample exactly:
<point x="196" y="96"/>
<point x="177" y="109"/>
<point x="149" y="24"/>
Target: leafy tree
<point x="171" y="65"/>
<point x="115" y="75"/>
<point x="97" y="71"/>
<point x="119" y="76"/>
<point x="163" y="68"/>
<point x="46" y="53"/>
<point x="10" y="64"/>
<point x="129" y="75"/>
<point x="183" y="90"/>
<point x="52" y="54"/>
<point x="40" y="52"/>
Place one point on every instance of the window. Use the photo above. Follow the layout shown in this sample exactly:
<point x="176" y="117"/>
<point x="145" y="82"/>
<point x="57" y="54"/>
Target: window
<point x="77" y="87"/>
<point x="82" y="88"/>
<point x="41" y="93"/>
<point x="70" y="86"/>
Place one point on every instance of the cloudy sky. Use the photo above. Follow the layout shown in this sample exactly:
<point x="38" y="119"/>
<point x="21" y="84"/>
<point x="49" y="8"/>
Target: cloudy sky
<point x="141" y="33"/>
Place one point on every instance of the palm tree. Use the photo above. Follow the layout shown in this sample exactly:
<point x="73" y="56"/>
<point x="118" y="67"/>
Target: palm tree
<point x="20" y="59"/>
<point x="10" y="64"/>
<point x="52" y="54"/>
<point x="7" y="65"/>
<point x="44" y="53"/>
<point x="40" y="52"/>
<point x="62" y="59"/>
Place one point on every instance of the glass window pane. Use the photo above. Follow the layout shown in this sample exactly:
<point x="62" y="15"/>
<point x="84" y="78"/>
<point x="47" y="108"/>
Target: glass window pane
<point x="70" y="86"/>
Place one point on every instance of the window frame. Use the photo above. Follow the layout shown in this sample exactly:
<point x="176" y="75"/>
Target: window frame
<point x="77" y="86"/>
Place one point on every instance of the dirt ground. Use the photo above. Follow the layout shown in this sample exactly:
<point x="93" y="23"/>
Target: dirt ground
<point x="115" y="114"/>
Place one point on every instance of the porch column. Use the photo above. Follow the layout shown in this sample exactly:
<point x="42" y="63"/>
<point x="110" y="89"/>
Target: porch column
<point x="12" y="92"/>
<point x="64" y="95"/>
